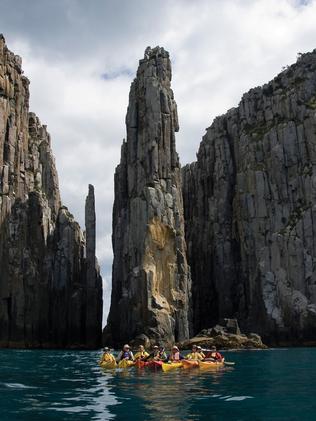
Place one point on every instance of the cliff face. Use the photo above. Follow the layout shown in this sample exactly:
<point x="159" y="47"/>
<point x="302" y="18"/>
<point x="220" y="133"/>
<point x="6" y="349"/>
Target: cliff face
<point x="151" y="280"/>
<point x="250" y="211"/>
<point x="49" y="279"/>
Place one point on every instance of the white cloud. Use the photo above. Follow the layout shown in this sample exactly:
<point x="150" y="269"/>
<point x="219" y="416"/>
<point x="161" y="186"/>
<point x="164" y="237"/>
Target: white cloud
<point x="219" y="49"/>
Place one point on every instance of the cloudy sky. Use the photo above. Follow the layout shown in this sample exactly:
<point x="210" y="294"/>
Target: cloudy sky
<point x="81" y="56"/>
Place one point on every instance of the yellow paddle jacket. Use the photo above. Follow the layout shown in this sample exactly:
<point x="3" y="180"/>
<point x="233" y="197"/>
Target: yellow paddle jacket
<point x="107" y="357"/>
<point x="195" y="356"/>
<point x="140" y="355"/>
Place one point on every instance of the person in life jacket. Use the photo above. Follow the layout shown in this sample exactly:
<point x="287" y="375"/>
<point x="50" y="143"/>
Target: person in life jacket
<point x="194" y="354"/>
<point x="199" y="350"/>
<point x="175" y="355"/>
<point x="125" y="354"/>
<point x="107" y="357"/>
<point x="214" y="355"/>
<point x="154" y="355"/>
<point x="158" y="354"/>
<point x="162" y="354"/>
<point x="141" y="354"/>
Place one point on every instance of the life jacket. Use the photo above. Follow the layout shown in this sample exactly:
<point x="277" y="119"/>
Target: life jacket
<point x="141" y="354"/>
<point x="155" y="355"/>
<point x="162" y="355"/>
<point x="126" y="355"/>
<point x="107" y="357"/>
<point x="216" y="355"/>
<point x="175" y="356"/>
<point x="194" y="356"/>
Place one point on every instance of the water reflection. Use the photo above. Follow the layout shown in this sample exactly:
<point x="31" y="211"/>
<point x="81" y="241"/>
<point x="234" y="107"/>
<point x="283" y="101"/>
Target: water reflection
<point x="171" y="395"/>
<point x="68" y="385"/>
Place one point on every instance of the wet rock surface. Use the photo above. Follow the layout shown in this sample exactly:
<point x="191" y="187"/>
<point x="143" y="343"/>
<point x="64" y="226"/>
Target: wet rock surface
<point x="151" y="278"/>
<point x="49" y="277"/>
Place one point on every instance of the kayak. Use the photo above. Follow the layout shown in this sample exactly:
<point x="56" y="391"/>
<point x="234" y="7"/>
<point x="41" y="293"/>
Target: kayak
<point x="108" y="364"/>
<point x="155" y="364"/>
<point x="190" y="363"/>
<point x="141" y="364"/>
<point x="205" y="365"/>
<point x="170" y="366"/>
<point x="126" y="364"/>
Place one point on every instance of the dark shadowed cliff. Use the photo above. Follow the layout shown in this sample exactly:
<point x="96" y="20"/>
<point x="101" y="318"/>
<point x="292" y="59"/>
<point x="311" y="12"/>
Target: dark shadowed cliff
<point x="250" y="211"/>
<point x="50" y="286"/>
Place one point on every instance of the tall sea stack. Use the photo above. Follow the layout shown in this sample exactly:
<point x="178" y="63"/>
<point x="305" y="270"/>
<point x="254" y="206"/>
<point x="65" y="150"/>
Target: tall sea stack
<point x="151" y="278"/>
<point x="50" y="286"/>
<point x="250" y="211"/>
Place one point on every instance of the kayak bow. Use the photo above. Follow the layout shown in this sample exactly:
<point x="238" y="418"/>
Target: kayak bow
<point x="170" y="366"/>
<point x="125" y="364"/>
<point x="108" y="364"/>
<point x="206" y="365"/>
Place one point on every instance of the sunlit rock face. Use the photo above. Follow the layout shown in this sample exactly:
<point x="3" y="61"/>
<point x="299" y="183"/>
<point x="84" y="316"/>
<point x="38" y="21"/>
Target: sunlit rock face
<point x="151" y="278"/>
<point x="250" y="211"/>
<point x="50" y="286"/>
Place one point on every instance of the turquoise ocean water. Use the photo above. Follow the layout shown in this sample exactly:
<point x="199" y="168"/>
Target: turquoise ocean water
<point x="68" y="385"/>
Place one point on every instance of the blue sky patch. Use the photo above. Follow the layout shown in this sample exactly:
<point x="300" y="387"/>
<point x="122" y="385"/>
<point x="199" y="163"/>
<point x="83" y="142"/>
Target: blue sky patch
<point x="117" y="73"/>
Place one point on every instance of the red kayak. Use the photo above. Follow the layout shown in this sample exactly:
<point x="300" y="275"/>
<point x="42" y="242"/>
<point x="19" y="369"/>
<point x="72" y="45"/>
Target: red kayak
<point x="141" y="364"/>
<point x="155" y="364"/>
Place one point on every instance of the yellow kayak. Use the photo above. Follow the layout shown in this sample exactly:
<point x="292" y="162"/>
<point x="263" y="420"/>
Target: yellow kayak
<point x="125" y="363"/>
<point x="108" y="364"/>
<point x="206" y="365"/>
<point x="170" y="366"/>
<point x="190" y="363"/>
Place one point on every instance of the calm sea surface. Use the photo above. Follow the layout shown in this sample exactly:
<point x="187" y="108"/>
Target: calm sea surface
<point x="67" y="385"/>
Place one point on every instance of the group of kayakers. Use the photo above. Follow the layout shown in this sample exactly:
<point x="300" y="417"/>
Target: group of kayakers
<point x="158" y="353"/>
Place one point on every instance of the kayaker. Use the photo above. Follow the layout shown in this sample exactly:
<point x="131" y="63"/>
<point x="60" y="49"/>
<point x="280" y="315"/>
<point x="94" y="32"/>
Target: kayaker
<point x="175" y="354"/>
<point x="141" y="354"/>
<point x="154" y="355"/>
<point x="194" y="354"/>
<point x="125" y="354"/>
<point x="162" y="354"/>
<point x="214" y="355"/>
<point x="107" y="357"/>
<point x="199" y="350"/>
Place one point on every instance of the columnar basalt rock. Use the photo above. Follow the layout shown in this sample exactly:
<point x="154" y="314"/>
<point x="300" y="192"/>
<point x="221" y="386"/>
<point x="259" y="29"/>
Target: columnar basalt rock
<point x="46" y="281"/>
<point x="93" y="279"/>
<point x="151" y="278"/>
<point x="250" y="209"/>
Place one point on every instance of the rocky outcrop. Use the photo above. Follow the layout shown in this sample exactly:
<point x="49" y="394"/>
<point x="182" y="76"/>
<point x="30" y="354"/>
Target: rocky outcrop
<point x="50" y="287"/>
<point x="250" y="209"/>
<point x="151" y="279"/>
<point x="226" y="335"/>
